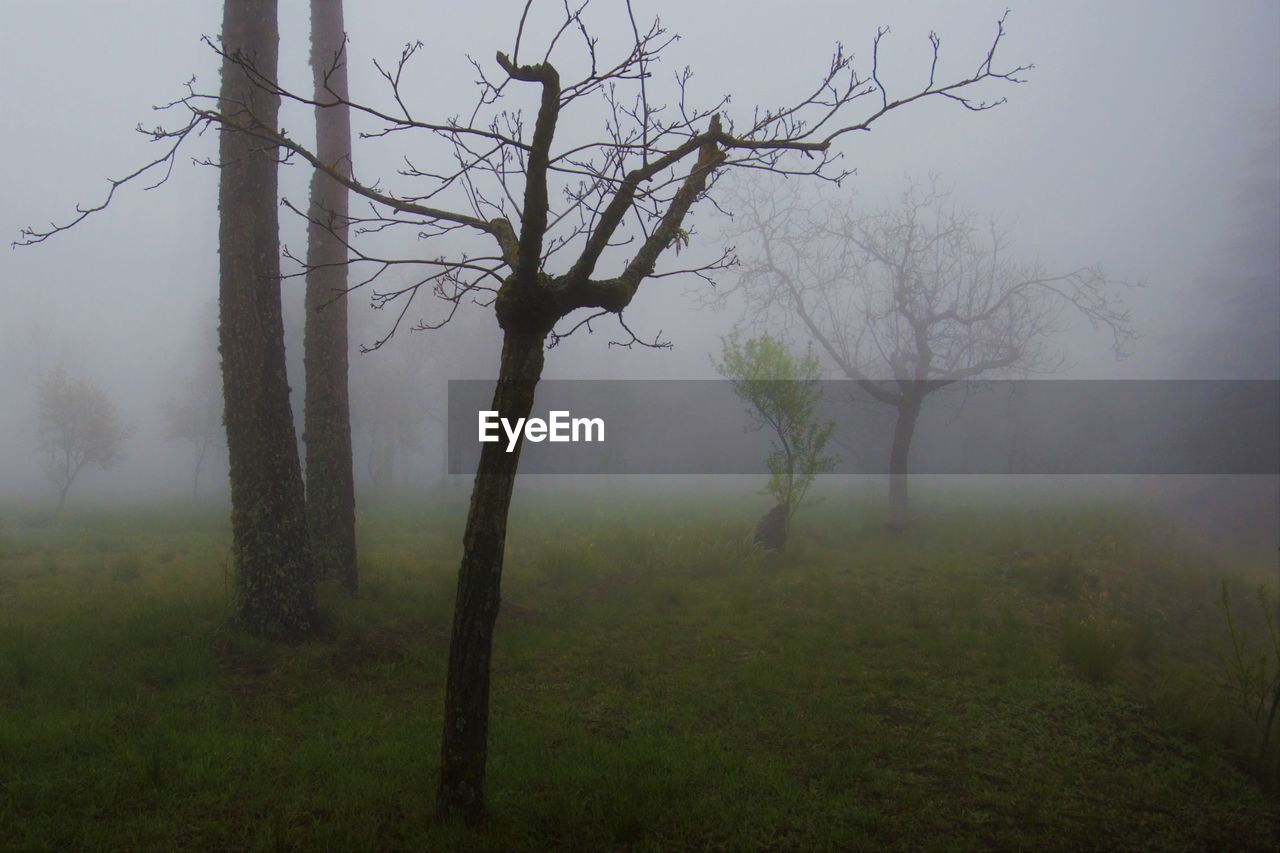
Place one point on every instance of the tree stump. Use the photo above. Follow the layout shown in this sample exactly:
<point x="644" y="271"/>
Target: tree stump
<point x="771" y="530"/>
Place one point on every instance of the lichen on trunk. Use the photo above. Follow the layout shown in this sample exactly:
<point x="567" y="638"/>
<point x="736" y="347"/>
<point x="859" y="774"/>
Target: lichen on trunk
<point x="466" y="712"/>
<point x="274" y="577"/>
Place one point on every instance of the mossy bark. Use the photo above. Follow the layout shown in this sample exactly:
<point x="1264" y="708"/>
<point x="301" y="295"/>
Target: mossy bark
<point x="466" y="710"/>
<point x="331" y="503"/>
<point x="275" y="582"/>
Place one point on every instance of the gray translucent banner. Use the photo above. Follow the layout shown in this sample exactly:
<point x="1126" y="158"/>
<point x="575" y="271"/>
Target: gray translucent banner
<point x="977" y="427"/>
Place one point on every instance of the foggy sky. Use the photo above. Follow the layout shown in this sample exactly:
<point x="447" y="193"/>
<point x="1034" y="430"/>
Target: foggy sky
<point x="1126" y="147"/>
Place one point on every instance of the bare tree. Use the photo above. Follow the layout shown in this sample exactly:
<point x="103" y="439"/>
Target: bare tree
<point x="398" y="416"/>
<point x="1233" y="317"/>
<point x="275" y="577"/>
<point x="912" y="298"/>
<point x="194" y="416"/>
<point x="622" y="202"/>
<point x="389" y="412"/>
<point x="78" y="427"/>
<point x="331" y="501"/>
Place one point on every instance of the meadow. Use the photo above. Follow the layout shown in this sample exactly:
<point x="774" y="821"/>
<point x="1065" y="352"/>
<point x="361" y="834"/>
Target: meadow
<point x="997" y="676"/>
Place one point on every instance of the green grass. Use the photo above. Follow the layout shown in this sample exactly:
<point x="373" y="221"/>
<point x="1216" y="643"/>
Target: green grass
<point x="1002" y="677"/>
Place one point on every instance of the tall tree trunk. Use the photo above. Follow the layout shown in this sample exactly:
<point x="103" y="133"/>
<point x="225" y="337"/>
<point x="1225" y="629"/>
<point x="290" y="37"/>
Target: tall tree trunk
<point x="275" y="581"/>
<point x="899" y="456"/>
<point x="331" y="499"/>
<point x="466" y="709"/>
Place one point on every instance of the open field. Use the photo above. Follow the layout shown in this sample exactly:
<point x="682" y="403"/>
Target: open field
<point x="995" y="677"/>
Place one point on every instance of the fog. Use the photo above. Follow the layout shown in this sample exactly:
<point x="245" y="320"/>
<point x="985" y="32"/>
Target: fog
<point x="811" y="425"/>
<point x="1146" y="139"/>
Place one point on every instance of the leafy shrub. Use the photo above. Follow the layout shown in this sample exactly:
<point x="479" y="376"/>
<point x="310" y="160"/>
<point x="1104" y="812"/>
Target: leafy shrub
<point x="1253" y="672"/>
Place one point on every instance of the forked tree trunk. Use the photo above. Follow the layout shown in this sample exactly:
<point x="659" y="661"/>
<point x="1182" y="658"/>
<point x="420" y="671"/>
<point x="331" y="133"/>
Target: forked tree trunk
<point x="331" y="501"/>
<point x="466" y="709"/>
<point x="899" y="457"/>
<point x="275" y="583"/>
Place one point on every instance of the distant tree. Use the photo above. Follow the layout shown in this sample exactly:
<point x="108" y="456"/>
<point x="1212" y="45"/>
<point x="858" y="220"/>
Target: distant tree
<point x="274" y="572"/>
<point x="784" y="392"/>
<point x="194" y="417"/>
<point x="389" y="411"/>
<point x="1233" y="316"/>
<point x="331" y="501"/>
<point x="630" y="171"/>
<point x="77" y="428"/>
<point x="1230" y="330"/>
<point x="398" y="394"/>
<point x="911" y="299"/>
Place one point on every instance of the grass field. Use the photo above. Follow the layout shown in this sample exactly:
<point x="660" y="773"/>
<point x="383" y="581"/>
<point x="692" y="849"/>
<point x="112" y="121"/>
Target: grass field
<point x="995" y="677"/>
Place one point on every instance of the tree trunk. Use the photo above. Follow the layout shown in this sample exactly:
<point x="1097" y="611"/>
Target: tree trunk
<point x="195" y="476"/>
<point x="62" y="496"/>
<point x="771" y="530"/>
<point x="899" y="455"/>
<point x="466" y="710"/>
<point x="275" y="582"/>
<point x="70" y="472"/>
<point x="331" y="501"/>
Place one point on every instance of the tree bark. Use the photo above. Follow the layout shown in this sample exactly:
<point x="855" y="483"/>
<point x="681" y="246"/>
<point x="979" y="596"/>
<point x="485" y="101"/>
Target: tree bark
<point x="466" y="710"/>
<point x="62" y="496"/>
<point x="331" y="502"/>
<point x="899" y="456"/>
<point x="195" y="477"/>
<point x="275" y="582"/>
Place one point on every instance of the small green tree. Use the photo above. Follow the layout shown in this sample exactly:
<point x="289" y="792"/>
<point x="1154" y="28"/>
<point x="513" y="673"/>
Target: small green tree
<point x="78" y="427"/>
<point x="784" y="392"/>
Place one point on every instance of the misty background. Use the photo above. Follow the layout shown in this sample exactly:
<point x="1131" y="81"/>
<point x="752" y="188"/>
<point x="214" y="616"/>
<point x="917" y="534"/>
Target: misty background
<point x="1147" y="140"/>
